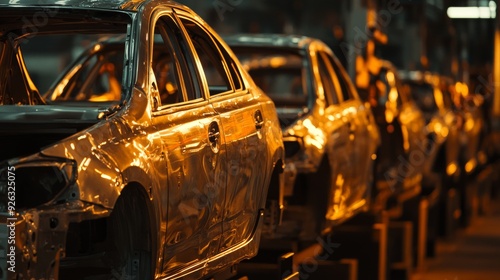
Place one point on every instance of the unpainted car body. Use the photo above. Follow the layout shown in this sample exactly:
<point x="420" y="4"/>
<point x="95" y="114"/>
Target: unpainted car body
<point x="330" y="136"/>
<point x="472" y="130"/>
<point x="404" y="150"/>
<point x="443" y="123"/>
<point x="120" y="178"/>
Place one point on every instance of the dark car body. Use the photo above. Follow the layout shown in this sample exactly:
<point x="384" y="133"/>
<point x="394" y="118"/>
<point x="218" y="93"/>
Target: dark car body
<point x="141" y="162"/>
<point x="330" y="136"/>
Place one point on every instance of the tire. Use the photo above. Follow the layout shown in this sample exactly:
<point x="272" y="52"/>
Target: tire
<point x="130" y="243"/>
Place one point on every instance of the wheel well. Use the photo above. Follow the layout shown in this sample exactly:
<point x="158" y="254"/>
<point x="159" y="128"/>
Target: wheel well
<point x="91" y="236"/>
<point x="439" y="164"/>
<point x="314" y="194"/>
<point x="136" y="189"/>
<point x="135" y="197"/>
<point x="274" y="185"/>
<point x="389" y="153"/>
<point x="273" y="204"/>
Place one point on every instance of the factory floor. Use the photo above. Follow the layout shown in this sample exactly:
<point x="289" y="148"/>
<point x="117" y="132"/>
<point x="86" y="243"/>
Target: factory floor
<point x="473" y="254"/>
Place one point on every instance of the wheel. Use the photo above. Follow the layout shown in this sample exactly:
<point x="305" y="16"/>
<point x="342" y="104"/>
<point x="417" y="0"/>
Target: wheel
<point x="130" y="247"/>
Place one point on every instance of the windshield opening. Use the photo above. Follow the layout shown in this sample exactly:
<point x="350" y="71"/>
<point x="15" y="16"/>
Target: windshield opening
<point x="59" y="60"/>
<point x="280" y="74"/>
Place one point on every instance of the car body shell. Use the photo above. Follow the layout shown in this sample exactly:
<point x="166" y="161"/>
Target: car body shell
<point x="326" y="130"/>
<point x="404" y="152"/>
<point x="459" y="122"/>
<point x="194" y="161"/>
<point x="469" y="106"/>
<point x="443" y="122"/>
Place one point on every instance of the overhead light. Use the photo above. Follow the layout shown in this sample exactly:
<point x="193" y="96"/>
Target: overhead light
<point x="473" y="12"/>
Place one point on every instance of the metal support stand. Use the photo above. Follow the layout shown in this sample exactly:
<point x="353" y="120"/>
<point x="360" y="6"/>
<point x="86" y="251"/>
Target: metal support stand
<point x="364" y="238"/>
<point x="400" y="245"/>
<point x="345" y="269"/>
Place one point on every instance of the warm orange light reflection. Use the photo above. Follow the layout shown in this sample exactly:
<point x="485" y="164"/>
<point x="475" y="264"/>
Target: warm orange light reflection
<point x="469" y="124"/>
<point x="277" y="62"/>
<point x="470" y="165"/>
<point x="406" y="140"/>
<point x="451" y="169"/>
<point x="389" y="115"/>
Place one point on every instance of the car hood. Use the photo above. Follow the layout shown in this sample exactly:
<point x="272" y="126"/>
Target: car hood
<point x="48" y="113"/>
<point x="25" y="130"/>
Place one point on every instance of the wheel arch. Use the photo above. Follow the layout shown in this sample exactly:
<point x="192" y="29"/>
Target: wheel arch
<point x="154" y="221"/>
<point x="275" y="190"/>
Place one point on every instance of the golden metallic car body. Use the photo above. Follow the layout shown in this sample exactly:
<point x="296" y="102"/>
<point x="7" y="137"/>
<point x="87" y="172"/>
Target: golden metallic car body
<point x="404" y="150"/>
<point x="443" y="122"/>
<point x="335" y="142"/>
<point x="472" y="133"/>
<point x="200" y="168"/>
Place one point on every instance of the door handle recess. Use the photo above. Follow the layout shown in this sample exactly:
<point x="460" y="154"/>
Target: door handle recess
<point x="259" y="120"/>
<point x="214" y="135"/>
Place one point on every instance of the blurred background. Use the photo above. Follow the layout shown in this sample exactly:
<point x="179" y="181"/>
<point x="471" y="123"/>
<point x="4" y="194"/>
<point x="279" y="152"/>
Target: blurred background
<point x="456" y="39"/>
<point x="451" y="38"/>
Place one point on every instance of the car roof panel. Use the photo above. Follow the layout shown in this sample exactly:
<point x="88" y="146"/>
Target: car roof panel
<point x="268" y="40"/>
<point x="130" y="5"/>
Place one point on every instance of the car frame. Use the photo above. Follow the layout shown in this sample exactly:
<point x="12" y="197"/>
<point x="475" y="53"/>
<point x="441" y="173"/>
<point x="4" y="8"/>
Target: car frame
<point x="404" y="152"/>
<point x="144" y="190"/>
<point x="330" y="137"/>
<point x="442" y="122"/>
